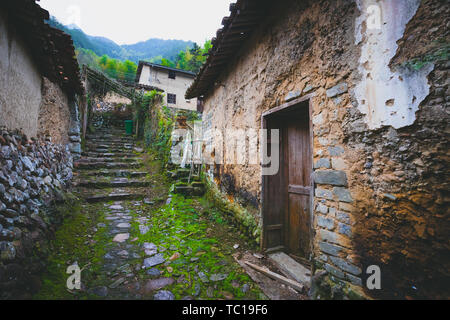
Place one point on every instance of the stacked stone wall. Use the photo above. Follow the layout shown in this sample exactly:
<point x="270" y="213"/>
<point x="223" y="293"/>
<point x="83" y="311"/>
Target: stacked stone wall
<point x="33" y="176"/>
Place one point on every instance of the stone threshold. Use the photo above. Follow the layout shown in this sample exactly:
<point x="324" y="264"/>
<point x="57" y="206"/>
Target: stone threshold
<point x="292" y="268"/>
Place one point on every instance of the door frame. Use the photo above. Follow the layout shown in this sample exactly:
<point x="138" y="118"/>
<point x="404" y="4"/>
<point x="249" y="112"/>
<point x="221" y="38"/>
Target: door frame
<point x="296" y="103"/>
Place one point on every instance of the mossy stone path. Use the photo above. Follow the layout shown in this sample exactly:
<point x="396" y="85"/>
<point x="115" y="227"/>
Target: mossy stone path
<point x="134" y="240"/>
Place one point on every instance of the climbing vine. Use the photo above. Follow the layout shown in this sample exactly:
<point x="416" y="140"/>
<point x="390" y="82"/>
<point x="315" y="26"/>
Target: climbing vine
<point x="155" y="123"/>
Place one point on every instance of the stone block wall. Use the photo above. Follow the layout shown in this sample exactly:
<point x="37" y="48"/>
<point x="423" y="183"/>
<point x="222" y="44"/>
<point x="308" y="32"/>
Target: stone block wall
<point x="33" y="174"/>
<point x="380" y="182"/>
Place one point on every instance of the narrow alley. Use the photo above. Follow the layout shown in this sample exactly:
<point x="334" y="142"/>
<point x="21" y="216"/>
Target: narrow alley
<point x="275" y="151"/>
<point x="132" y="239"/>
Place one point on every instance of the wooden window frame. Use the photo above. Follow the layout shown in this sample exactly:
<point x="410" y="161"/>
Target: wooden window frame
<point x="170" y="100"/>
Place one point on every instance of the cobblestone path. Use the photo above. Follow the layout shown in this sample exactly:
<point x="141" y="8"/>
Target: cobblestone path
<point x="132" y="239"/>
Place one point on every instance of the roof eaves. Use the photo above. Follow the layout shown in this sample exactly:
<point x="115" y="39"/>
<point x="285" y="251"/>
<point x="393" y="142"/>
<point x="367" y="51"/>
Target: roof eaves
<point x="158" y="66"/>
<point x="245" y="16"/>
<point x="51" y="48"/>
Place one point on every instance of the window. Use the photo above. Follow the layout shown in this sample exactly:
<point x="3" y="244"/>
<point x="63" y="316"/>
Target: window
<point x="171" y="98"/>
<point x="172" y="75"/>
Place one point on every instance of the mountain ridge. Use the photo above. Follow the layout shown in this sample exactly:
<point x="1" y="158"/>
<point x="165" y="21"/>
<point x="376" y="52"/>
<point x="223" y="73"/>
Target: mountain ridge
<point x="153" y="49"/>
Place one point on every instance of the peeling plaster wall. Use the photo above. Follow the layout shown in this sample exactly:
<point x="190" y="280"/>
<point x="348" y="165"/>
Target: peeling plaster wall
<point x="387" y="97"/>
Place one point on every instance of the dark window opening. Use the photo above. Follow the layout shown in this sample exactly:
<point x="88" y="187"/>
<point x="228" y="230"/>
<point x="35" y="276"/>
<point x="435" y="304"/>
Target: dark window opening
<point x="171" y="98"/>
<point x="172" y="75"/>
<point x="200" y="104"/>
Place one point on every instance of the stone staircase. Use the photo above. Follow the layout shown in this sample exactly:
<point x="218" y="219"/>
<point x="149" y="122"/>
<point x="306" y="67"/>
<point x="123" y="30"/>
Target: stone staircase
<point x="110" y="168"/>
<point x="187" y="184"/>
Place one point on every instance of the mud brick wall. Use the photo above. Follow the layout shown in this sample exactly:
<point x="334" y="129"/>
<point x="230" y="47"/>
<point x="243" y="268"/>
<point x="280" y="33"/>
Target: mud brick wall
<point x="380" y="126"/>
<point x="59" y="118"/>
<point x="54" y="113"/>
<point x="33" y="174"/>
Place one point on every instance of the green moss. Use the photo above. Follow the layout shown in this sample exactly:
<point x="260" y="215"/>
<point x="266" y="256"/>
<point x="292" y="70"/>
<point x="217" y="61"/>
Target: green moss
<point x="191" y="227"/>
<point x="328" y="287"/>
<point x="75" y="241"/>
<point x="440" y="54"/>
<point x="241" y="216"/>
<point x="182" y="227"/>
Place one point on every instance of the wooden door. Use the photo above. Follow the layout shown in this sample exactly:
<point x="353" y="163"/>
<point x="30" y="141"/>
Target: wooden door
<point x="274" y="195"/>
<point x="298" y="164"/>
<point x="287" y="195"/>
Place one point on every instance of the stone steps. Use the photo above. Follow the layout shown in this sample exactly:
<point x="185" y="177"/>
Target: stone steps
<point x="109" y="145"/>
<point x="115" y="139"/>
<point x="109" y="133"/>
<point x="108" y="160"/>
<point x="106" y="165"/>
<point x="107" y="171"/>
<point x="111" y="139"/>
<point x="114" y="173"/>
<point x="108" y="155"/>
<point x="110" y="150"/>
<point x="192" y="189"/>
<point x="118" y="184"/>
<point x="100" y="136"/>
<point x="106" y="195"/>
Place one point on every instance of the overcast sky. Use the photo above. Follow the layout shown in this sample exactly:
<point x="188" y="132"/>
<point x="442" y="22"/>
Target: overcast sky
<point x="131" y="21"/>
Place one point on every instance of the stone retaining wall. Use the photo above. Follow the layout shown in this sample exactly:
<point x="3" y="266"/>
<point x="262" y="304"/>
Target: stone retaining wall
<point x="33" y="175"/>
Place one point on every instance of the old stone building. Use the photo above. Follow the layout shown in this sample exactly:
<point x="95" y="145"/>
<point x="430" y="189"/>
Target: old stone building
<point x="174" y="83"/>
<point x="39" y="136"/>
<point x="359" y="91"/>
<point x="39" y="75"/>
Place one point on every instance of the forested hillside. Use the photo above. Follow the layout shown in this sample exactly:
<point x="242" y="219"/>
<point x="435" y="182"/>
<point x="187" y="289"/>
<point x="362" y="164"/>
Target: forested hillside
<point x="146" y="50"/>
<point x="120" y="62"/>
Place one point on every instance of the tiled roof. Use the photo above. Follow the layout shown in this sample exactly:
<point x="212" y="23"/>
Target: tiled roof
<point x="158" y="66"/>
<point x="51" y="48"/>
<point x="245" y="16"/>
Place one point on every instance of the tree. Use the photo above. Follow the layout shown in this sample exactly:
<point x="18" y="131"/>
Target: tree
<point x="167" y="63"/>
<point x="190" y="59"/>
<point x="130" y="70"/>
<point x="193" y="58"/>
<point x="103" y="61"/>
<point x="111" y="68"/>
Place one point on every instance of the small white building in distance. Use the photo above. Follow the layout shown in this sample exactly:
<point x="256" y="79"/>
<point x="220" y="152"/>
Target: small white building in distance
<point x="174" y="83"/>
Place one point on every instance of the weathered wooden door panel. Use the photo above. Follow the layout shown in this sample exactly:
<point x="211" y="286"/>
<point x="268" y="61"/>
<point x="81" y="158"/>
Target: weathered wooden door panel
<point x="274" y="204"/>
<point x="287" y="194"/>
<point x="298" y="163"/>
